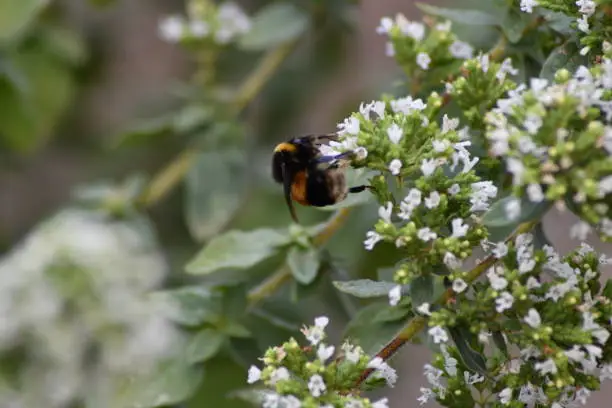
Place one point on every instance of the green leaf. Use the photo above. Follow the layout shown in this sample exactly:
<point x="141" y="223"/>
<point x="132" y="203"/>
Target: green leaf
<point x="565" y="56"/>
<point x="354" y="177"/>
<point x="514" y="24"/>
<point x="204" y="345"/>
<point x="469" y="17"/>
<point x="422" y="290"/>
<point x="238" y="250"/>
<point x="253" y="396"/>
<point x="471" y="358"/>
<point x="365" y="288"/>
<point x="370" y="334"/>
<point x="214" y="188"/>
<point x="558" y="21"/>
<point x="189" y="306"/>
<point x="304" y="264"/>
<point x="16" y="15"/>
<point x="607" y="290"/>
<point x="392" y="314"/>
<point x="170" y="383"/>
<point x="500" y="342"/>
<point x="498" y="223"/>
<point x="235" y="329"/>
<point x="274" y="25"/>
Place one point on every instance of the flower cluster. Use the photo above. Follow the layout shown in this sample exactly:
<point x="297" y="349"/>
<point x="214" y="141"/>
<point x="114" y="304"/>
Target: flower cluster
<point x="417" y="48"/>
<point x="72" y="306"/>
<point x="220" y="24"/>
<point x="556" y="141"/>
<point x="591" y="21"/>
<point x="552" y="336"/>
<point x="310" y="377"/>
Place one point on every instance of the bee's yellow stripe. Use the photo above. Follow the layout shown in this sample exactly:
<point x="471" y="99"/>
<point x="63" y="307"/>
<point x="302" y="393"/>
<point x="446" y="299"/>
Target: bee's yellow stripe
<point x="285" y="147"/>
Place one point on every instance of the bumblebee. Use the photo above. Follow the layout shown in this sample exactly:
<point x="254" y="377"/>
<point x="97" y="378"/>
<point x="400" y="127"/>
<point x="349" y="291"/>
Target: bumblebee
<point x="308" y="176"/>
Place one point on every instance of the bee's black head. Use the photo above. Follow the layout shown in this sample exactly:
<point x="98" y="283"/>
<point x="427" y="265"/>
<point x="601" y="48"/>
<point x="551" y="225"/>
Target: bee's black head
<point x="285" y="154"/>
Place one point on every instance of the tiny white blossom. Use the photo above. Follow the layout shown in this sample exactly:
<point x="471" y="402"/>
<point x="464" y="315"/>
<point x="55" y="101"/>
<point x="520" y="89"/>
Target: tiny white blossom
<point x="483" y="59"/>
<point x="426" y="234"/>
<point x="372" y="238"/>
<point x="459" y="285"/>
<point x="506" y="68"/>
<point x="440" y="145"/>
<point x="497" y="282"/>
<point x="385" y="212"/>
<point x="395" y="294"/>
<point x="451" y="261"/>
<point x="351" y="353"/>
<point x="254" y="374"/>
<point x="389" y="49"/>
<point x="280" y="374"/>
<point x="459" y="229"/>
<point x="533" y="318"/>
<point x="386" y="24"/>
<point x="528" y="5"/>
<point x="198" y="29"/>
<point x="546" y="367"/>
<point x="381" y="403"/>
<point x="439" y="334"/>
<point x="513" y="209"/>
<point x="532" y="123"/>
<point x="424" y="309"/>
<point x="428" y="166"/>
<point x="412" y="29"/>
<point x="426" y="395"/>
<point x="360" y="153"/>
<point x="171" y="28"/>
<point x="383" y="370"/>
<point x="433" y="200"/>
<point x="395" y="133"/>
<point x="454" y="189"/>
<point x="535" y="193"/>
<point x="324" y="353"/>
<point x="505" y="396"/>
<point x="449" y="124"/>
<point x="423" y="60"/>
<point x="316" y="385"/>
<point x="583" y="23"/>
<point x="586" y="6"/>
<point x="395" y="166"/>
<point x="580" y="230"/>
<point x="500" y="250"/>
<point x="461" y="50"/>
<point x="504" y="302"/>
<point x="349" y="126"/>
<point x="290" y="401"/>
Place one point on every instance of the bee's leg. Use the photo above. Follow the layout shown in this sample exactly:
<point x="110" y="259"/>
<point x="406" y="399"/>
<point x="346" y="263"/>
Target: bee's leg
<point x="359" y="189"/>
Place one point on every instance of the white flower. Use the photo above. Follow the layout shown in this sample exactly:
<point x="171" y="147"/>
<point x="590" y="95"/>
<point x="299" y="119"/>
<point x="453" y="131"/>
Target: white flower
<point x="395" y="294"/>
<point x="586" y="7"/>
<point x="395" y="166"/>
<point x="535" y="193"/>
<point x="349" y="126"/>
<point x="290" y="401"/>
<point x="171" y="28"/>
<point x="500" y="250"/>
<point x="439" y="334"/>
<point x="316" y="333"/>
<point x="386" y="24"/>
<point x="378" y="107"/>
<point x="360" y="153"/>
<point x="497" y="282"/>
<point x="426" y="234"/>
<point x="528" y="5"/>
<point x="324" y="353"/>
<point x="433" y="200"/>
<point x="461" y="50"/>
<point x="459" y="285"/>
<point x="321" y="322"/>
<point x="606" y="372"/>
<point x="532" y="123"/>
<point x="516" y="167"/>
<point x="533" y="318"/>
<point x="280" y="374"/>
<point x="385" y="212"/>
<point x="426" y="395"/>
<point x="381" y="403"/>
<point x="506" y="68"/>
<point x="254" y="374"/>
<point x="504" y="302"/>
<point x="483" y="59"/>
<point x="423" y="60"/>
<point x="407" y="105"/>
<point x="351" y="353"/>
<point x="445" y="26"/>
<point x="440" y="145"/>
<point x="383" y="370"/>
<point x="482" y="192"/>
<point x="316" y="385"/>
<point x="513" y="209"/>
<point x="412" y="29"/>
<point x="449" y="124"/>
<point x="605" y="185"/>
<point x="424" y="309"/>
<point x="546" y="367"/>
<point x="372" y="238"/>
<point x="389" y="49"/>
<point x="451" y="261"/>
<point x="583" y="23"/>
<point x="428" y="166"/>
<point x="459" y="229"/>
<point x="413" y="198"/>
<point x="454" y="189"/>
<point x="580" y="230"/>
<point x="395" y="133"/>
<point x="198" y="29"/>
<point x="505" y="396"/>
<point x="271" y="400"/>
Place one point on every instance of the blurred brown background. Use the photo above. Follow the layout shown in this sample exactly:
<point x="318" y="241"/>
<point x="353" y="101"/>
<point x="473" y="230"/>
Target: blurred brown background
<point x="134" y="79"/>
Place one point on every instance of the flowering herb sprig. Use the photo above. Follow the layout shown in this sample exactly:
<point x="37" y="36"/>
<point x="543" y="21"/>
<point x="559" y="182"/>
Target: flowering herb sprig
<point x="310" y="377"/>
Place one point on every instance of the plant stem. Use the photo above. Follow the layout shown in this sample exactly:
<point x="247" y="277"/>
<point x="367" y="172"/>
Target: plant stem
<point x="280" y="277"/>
<point x="171" y="175"/>
<point x="418" y="323"/>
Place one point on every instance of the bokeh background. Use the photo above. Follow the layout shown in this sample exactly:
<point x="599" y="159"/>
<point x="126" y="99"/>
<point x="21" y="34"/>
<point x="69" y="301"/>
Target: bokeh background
<point x="110" y="76"/>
